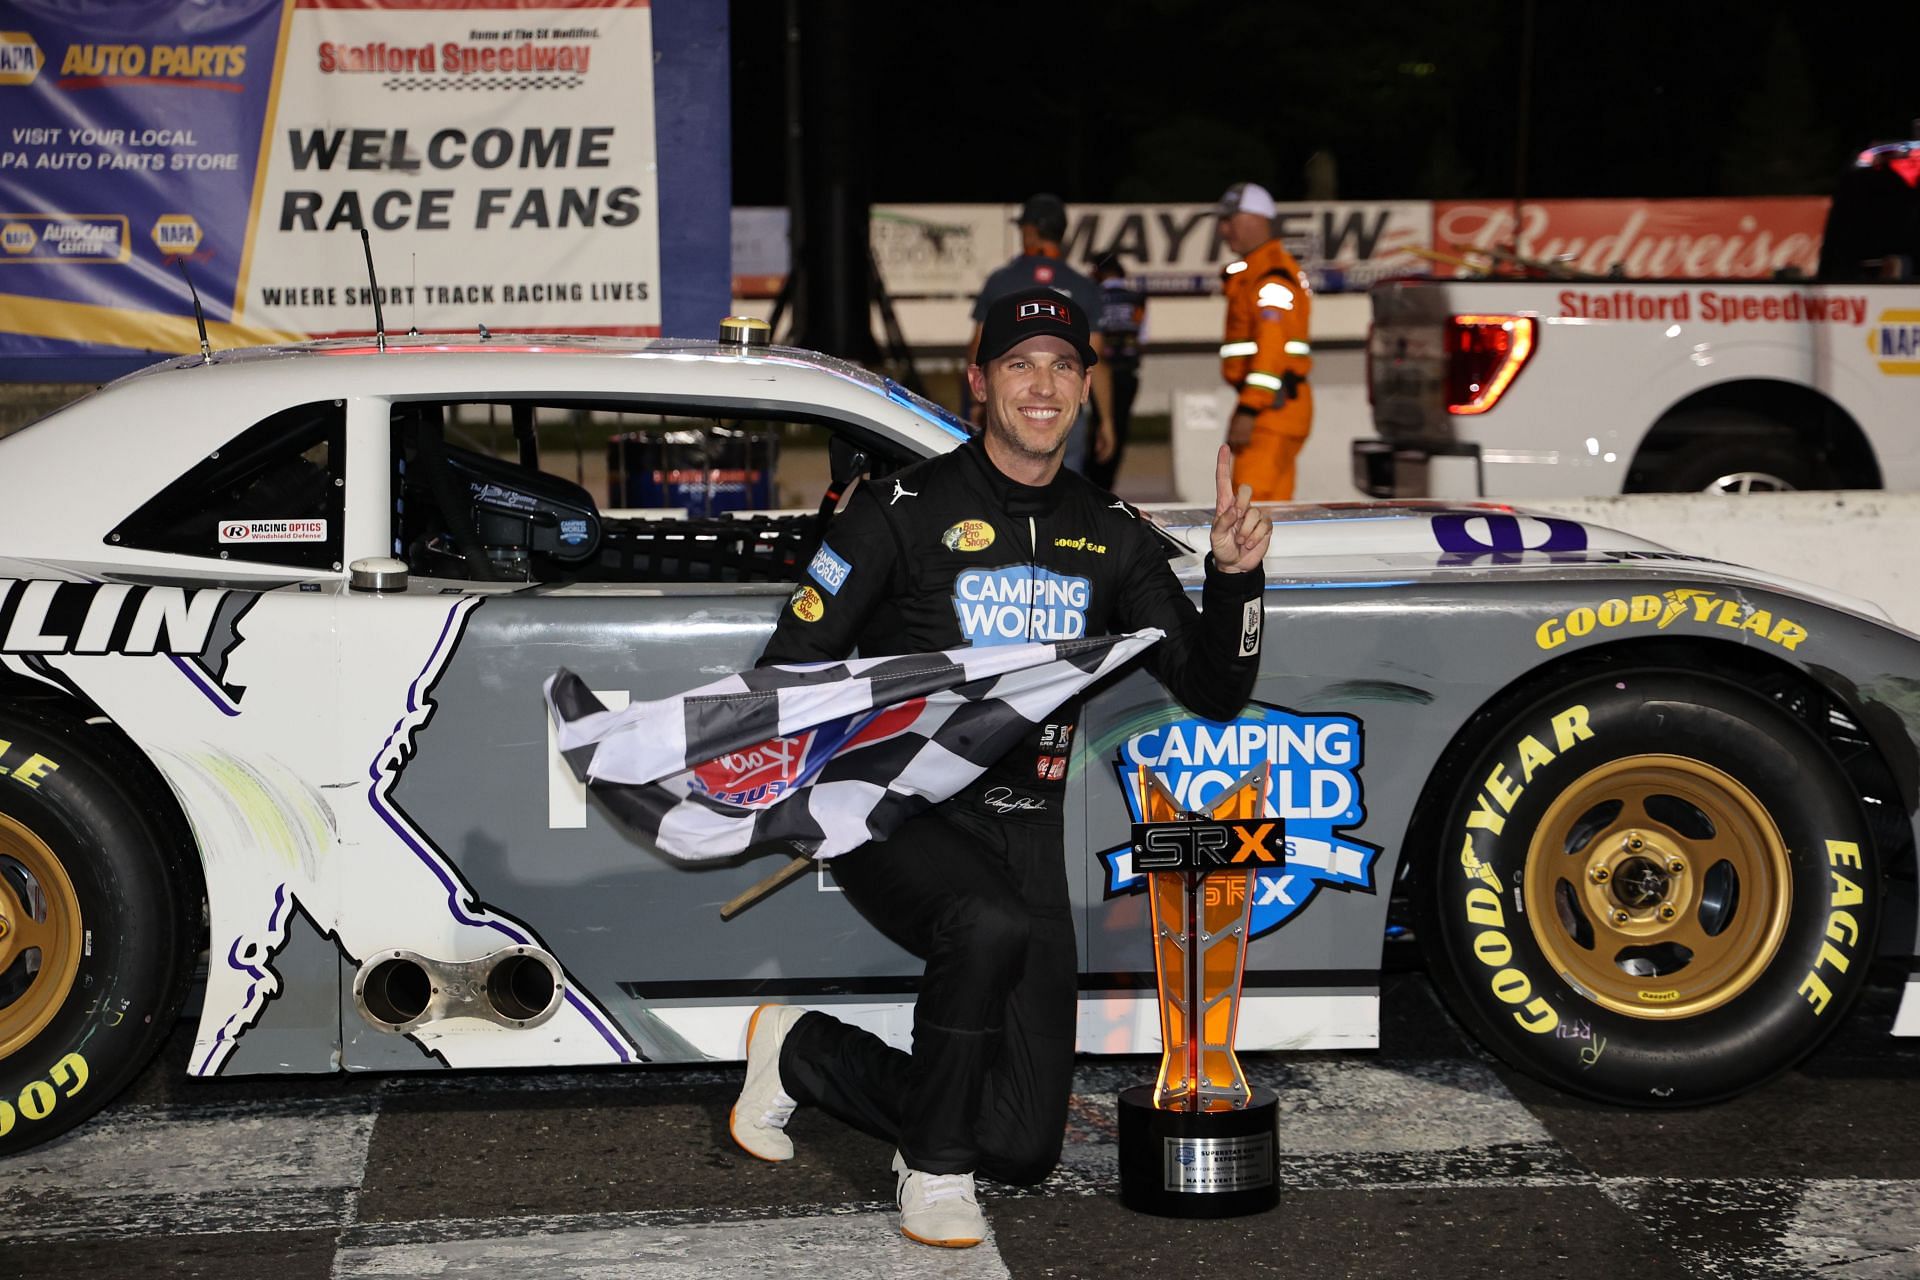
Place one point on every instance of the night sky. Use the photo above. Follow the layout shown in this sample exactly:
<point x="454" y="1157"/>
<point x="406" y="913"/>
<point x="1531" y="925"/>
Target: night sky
<point x="1173" y="100"/>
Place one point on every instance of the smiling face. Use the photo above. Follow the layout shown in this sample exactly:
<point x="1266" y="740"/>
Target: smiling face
<point x="1031" y="396"/>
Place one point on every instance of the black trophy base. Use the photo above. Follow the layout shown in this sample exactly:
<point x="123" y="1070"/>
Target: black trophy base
<point x="1198" y="1164"/>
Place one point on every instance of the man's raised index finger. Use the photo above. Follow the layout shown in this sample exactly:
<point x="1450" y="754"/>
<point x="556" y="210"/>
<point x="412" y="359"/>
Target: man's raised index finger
<point x="1223" y="480"/>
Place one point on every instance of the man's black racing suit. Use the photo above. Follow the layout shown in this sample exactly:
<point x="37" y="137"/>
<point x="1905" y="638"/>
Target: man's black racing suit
<point x="945" y="553"/>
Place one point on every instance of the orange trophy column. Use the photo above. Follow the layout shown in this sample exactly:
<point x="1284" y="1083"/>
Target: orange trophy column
<point x="1200" y="1142"/>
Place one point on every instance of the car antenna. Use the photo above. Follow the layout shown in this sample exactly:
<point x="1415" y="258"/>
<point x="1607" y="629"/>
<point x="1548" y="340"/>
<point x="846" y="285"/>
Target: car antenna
<point x="199" y="316"/>
<point x="379" y="321"/>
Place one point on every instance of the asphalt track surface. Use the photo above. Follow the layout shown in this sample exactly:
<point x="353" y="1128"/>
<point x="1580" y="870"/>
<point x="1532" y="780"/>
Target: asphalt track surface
<point x="1423" y="1159"/>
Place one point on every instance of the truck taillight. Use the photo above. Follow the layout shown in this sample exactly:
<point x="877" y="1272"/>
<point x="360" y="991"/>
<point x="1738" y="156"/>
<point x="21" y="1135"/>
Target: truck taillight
<point x="1484" y="355"/>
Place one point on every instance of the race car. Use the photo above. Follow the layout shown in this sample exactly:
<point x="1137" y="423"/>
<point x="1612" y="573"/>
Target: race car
<point x="275" y="624"/>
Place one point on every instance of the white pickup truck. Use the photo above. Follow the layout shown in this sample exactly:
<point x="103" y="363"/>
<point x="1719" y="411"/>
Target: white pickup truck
<point x="1573" y="388"/>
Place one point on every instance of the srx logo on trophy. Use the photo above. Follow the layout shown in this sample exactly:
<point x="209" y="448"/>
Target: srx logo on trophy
<point x="1200" y="1143"/>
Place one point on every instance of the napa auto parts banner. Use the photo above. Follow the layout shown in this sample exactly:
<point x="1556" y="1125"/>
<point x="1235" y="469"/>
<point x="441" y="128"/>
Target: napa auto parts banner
<point x="501" y="153"/>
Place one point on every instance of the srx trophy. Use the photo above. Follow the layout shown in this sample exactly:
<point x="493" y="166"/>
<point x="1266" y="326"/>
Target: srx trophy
<point x="1200" y="1142"/>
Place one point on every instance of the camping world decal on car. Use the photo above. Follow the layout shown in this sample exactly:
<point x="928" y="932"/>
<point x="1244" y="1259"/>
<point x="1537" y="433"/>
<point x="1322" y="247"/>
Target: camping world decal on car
<point x="1312" y="780"/>
<point x="1020" y="603"/>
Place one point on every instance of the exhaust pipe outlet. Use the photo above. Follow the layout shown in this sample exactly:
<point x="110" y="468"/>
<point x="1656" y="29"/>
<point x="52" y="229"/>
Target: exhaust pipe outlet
<point x="394" y="992"/>
<point x="401" y="991"/>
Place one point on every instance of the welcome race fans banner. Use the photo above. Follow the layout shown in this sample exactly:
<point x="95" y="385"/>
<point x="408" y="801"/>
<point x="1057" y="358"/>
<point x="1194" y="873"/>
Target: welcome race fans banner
<point x="500" y="152"/>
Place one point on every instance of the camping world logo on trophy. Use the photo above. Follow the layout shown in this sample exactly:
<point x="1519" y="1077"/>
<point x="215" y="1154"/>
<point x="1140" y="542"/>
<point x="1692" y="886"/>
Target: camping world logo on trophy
<point x="1200" y="1142"/>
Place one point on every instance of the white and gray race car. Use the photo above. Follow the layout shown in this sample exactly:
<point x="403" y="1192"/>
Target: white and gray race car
<point x="274" y="626"/>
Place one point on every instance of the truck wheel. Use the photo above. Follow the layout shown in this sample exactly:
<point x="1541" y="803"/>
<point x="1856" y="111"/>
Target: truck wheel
<point x="1654" y="888"/>
<point x="1724" y="452"/>
<point x="94" y="934"/>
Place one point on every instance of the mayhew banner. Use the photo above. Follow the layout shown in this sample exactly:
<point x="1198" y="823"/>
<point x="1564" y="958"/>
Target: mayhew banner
<point x="500" y="152"/>
<point x="948" y="250"/>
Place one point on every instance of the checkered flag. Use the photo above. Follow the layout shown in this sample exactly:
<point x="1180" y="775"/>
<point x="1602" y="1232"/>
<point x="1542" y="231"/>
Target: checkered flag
<point x="823" y="756"/>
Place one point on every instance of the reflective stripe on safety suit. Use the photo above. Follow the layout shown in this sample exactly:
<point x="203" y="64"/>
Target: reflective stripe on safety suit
<point x="1266" y="357"/>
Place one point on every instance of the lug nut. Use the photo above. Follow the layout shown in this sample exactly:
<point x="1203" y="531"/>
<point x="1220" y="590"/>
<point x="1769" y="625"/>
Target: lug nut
<point x="1635" y="843"/>
<point x="1667" y="911"/>
<point x="1599" y="875"/>
<point x="1675" y="866"/>
<point x="1621" y="917"/>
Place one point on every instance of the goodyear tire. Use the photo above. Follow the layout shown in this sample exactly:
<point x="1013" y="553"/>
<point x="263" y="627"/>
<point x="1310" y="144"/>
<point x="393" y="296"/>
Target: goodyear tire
<point x="94" y="928"/>
<point x="1653" y="888"/>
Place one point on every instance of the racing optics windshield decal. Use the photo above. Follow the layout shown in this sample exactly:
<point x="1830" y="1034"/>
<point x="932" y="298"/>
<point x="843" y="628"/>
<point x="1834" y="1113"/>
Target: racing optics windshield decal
<point x="1311" y="781"/>
<point x="273" y="531"/>
<point x="1020" y="603"/>
<point x="1681" y="604"/>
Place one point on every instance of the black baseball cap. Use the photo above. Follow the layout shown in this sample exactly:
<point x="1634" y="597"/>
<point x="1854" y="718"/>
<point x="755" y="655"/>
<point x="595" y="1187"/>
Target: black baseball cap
<point x="1046" y="214"/>
<point x="1018" y="316"/>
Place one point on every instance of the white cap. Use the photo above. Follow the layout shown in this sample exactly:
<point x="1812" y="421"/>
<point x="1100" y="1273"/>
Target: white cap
<point x="1246" y="197"/>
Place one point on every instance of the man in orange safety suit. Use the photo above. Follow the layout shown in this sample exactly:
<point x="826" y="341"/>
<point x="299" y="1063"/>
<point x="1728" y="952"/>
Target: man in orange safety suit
<point x="1265" y="355"/>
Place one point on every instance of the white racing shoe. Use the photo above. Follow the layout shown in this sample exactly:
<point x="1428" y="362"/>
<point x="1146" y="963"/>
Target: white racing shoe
<point x="758" y="1121"/>
<point x="938" y="1208"/>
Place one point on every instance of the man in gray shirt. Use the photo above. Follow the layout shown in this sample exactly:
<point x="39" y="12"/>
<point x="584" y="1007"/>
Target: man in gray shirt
<point x="1043" y="225"/>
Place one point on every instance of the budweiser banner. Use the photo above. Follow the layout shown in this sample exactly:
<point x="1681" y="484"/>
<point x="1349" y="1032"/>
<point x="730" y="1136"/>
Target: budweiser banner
<point x="1640" y="239"/>
<point x="500" y="152"/>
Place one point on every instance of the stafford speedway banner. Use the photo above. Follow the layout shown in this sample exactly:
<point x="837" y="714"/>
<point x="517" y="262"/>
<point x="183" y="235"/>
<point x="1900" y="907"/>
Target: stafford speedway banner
<point x="500" y="153"/>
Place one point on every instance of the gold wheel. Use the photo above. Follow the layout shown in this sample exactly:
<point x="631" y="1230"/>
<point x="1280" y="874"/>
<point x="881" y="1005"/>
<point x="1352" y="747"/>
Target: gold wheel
<point x="40" y="935"/>
<point x="1658" y="886"/>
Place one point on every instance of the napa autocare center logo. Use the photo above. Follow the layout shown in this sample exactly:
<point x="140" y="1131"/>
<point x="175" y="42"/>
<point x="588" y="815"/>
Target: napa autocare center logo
<point x="1894" y="342"/>
<point x="1312" y="781"/>
<point x="64" y="237"/>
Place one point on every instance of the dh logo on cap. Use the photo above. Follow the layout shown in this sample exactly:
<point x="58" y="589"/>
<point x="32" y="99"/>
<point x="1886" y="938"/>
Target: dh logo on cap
<point x="1042" y="309"/>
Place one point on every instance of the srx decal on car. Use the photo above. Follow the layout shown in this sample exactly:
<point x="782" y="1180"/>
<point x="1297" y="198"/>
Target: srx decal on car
<point x="1312" y="779"/>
